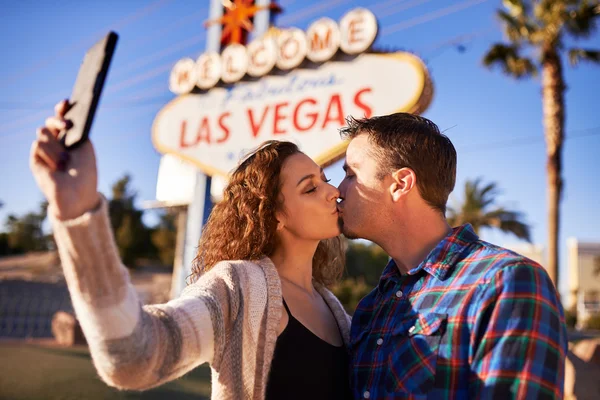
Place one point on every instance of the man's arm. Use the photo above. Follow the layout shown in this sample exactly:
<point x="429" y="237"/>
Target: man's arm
<point x="519" y="341"/>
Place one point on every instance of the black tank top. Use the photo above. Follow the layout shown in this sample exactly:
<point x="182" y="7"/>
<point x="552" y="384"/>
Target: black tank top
<point x="305" y="366"/>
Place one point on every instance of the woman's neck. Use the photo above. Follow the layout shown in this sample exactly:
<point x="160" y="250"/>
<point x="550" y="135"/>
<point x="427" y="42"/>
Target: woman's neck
<point x="294" y="262"/>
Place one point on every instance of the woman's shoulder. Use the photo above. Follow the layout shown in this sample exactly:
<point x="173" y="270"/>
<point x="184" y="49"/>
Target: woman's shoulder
<point x="237" y="267"/>
<point x="330" y="297"/>
<point x="334" y="303"/>
<point x="235" y="274"/>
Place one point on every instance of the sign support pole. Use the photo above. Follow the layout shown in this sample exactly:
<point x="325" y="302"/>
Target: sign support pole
<point x="261" y="19"/>
<point x="201" y="204"/>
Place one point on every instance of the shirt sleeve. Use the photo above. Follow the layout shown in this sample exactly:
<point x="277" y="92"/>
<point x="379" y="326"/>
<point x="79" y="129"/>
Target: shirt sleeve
<point x="519" y="340"/>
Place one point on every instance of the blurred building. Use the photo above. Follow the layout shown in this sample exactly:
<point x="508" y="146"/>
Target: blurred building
<point x="584" y="279"/>
<point x="534" y="252"/>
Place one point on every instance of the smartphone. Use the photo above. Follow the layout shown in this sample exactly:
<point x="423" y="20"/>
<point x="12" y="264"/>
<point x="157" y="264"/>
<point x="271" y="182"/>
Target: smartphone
<point x="86" y="92"/>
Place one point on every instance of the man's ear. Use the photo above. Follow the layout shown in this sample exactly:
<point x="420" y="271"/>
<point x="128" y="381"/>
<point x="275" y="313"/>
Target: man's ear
<point x="403" y="181"/>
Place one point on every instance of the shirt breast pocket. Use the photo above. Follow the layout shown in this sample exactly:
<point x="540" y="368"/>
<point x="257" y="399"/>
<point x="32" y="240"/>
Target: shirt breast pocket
<point x="412" y="361"/>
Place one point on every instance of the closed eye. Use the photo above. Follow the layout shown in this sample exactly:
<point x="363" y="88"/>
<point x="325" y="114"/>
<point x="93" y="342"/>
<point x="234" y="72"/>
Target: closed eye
<point x="314" y="189"/>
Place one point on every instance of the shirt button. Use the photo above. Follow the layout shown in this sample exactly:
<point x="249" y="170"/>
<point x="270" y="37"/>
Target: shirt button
<point x="411" y="330"/>
<point x="366" y="394"/>
<point x="399" y="294"/>
<point x="379" y="342"/>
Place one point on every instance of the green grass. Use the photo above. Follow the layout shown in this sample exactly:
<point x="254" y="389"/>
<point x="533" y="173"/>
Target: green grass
<point x="34" y="372"/>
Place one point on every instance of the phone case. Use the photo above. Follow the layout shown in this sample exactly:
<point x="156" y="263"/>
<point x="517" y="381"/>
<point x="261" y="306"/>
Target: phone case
<point x="86" y="92"/>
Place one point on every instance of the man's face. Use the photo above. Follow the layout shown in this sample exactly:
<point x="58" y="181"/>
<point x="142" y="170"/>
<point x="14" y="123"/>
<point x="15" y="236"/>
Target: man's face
<point x="363" y="195"/>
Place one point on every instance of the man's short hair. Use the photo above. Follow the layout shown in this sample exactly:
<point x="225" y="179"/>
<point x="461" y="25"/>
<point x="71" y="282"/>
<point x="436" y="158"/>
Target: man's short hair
<point x="404" y="140"/>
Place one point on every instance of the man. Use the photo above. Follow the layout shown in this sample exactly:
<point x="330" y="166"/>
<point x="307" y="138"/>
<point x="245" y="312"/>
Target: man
<point x="453" y="317"/>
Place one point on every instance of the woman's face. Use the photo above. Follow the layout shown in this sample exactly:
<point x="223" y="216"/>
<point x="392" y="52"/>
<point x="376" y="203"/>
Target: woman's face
<point x="309" y="202"/>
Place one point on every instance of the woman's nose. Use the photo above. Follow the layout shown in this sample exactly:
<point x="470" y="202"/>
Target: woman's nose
<point x="333" y="194"/>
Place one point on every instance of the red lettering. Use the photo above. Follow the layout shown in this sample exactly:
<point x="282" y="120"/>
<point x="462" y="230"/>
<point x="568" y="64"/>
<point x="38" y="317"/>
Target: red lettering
<point x="312" y="116"/>
<point x="360" y="104"/>
<point x="206" y="67"/>
<point x="183" y="77"/>
<point x="355" y="28"/>
<point x="256" y="60"/>
<point x="182" y="142"/>
<point x="285" y="51"/>
<point x="334" y="112"/>
<point x="229" y="63"/>
<point x="318" y="43"/>
<point x="224" y="127"/>
<point x="278" y="117"/>
<point x="254" y="126"/>
<point x="203" y="131"/>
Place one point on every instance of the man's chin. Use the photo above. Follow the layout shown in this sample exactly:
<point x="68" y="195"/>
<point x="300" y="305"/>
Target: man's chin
<point x="345" y="231"/>
<point x="350" y="235"/>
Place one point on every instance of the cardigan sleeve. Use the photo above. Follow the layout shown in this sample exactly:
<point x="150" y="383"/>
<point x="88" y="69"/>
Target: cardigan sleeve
<point x="133" y="346"/>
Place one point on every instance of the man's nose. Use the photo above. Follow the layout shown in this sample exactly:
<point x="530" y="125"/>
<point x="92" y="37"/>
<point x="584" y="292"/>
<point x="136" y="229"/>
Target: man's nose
<point x="342" y="188"/>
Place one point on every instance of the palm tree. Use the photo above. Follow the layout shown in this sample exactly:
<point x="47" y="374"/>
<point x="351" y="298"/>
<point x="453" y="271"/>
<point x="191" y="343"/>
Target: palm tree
<point x="479" y="210"/>
<point x="541" y="27"/>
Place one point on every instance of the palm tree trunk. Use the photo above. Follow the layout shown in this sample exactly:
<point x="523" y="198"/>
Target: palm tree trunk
<point x="554" y="119"/>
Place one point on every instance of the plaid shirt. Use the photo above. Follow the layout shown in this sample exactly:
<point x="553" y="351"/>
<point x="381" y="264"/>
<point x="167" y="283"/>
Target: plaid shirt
<point x="472" y="321"/>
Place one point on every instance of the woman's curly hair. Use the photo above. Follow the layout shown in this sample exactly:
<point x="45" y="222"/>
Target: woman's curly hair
<point x="242" y="226"/>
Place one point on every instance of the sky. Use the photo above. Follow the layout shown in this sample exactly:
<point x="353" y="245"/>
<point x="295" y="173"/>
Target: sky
<point x="494" y="122"/>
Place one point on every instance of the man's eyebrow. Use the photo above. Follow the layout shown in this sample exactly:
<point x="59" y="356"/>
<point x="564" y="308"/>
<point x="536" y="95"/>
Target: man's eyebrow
<point x="309" y="176"/>
<point x="347" y="166"/>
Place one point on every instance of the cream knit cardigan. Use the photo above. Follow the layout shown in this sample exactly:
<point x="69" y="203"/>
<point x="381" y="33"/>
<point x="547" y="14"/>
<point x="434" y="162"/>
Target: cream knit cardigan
<point x="228" y="318"/>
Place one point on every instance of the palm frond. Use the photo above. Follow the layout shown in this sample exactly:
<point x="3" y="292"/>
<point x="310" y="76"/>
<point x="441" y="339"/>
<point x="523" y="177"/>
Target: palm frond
<point x="578" y="55"/>
<point x="488" y="194"/>
<point x="507" y="57"/>
<point x="513" y="28"/>
<point x="478" y="209"/>
<point x="581" y="21"/>
<point x="508" y="221"/>
<point x="452" y="217"/>
<point x="517" y="228"/>
<point x="516" y="8"/>
<point x="520" y="28"/>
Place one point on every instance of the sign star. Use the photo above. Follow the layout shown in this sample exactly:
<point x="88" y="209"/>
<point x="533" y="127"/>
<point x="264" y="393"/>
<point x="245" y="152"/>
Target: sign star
<point x="237" y="18"/>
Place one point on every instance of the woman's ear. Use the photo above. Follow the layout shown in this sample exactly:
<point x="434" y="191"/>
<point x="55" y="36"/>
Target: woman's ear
<point x="280" y="221"/>
<point x="403" y="181"/>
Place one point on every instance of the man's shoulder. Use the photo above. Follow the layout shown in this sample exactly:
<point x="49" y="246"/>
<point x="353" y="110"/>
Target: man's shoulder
<point x="489" y="261"/>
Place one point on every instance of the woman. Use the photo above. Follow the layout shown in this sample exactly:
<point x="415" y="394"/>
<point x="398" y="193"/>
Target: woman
<point x="265" y="322"/>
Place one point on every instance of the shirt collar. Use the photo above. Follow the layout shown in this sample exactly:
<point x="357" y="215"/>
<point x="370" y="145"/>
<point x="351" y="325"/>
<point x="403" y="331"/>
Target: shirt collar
<point x="440" y="261"/>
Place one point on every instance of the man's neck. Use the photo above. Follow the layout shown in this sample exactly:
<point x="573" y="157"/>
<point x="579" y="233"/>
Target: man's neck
<point x="409" y="244"/>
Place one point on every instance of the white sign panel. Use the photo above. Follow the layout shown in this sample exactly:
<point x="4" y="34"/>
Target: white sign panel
<point x="175" y="183"/>
<point x="306" y="106"/>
